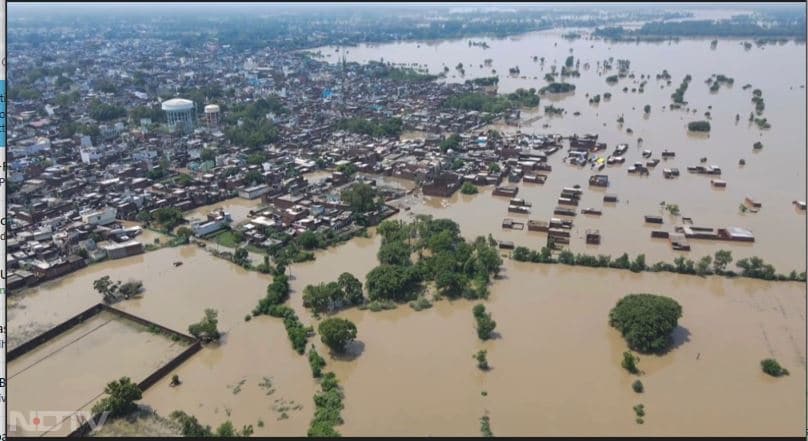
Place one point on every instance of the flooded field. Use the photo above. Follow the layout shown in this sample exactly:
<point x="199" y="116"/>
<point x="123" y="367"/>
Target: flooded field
<point x="555" y="367"/>
<point x="80" y="362"/>
<point x="176" y="297"/>
<point x="770" y="174"/>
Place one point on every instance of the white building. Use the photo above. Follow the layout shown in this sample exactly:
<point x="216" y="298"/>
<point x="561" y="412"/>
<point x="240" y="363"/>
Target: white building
<point x="99" y="217"/>
<point x="216" y="221"/>
<point x="89" y="155"/>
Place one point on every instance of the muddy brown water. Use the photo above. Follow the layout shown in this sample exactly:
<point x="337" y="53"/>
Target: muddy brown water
<point x="555" y="366"/>
<point x="775" y="175"/>
<point x="77" y="362"/>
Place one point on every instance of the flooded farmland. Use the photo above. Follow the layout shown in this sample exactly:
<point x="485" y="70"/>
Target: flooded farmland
<point x="769" y="175"/>
<point x="77" y="363"/>
<point x="710" y="383"/>
<point x="556" y="362"/>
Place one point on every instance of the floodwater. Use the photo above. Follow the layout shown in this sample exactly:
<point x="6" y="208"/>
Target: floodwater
<point x="80" y="362"/>
<point x="176" y="297"/>
<point x="555" y="367"/>
<point x="774" y="175"/>
<point x="556" y="362"/>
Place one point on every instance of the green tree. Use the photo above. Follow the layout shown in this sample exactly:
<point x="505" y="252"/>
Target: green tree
<point x="184" y="232"/>
<point x="189" y="425"/>
<point x="721" y="259"/>
<point x="336" y="333"/>
<point x="703" y="265"/>
<point x="469" y="188"/>
<point x="351" y="288"/>
<point x="629" y="362"/>
<point x="773" y="368"/>
<point x="393" y="282"/>
<point x="394" y="253"/>
<point x="482" y="359"/>
<point x="485" y="324"/>
<point x="646" y="321"/>
<point x="361" y="198"/>
<point x="120" y="399"/>
<point x="206" y="330"/>
<point x="309" y="240"/>
<point x="107" y="288"/>
<point x="323" y="297"/>
<point x="638" y="264"/>
<point x="316" y="362"/>
<point x="240" y="256"/>
<point x="168" y="217"/>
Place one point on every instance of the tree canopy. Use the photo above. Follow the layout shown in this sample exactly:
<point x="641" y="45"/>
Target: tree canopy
<point x="336" y="333"/>
<point x="646" y="321"/>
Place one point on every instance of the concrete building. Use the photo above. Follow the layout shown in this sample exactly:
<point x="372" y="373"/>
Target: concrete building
<point x="180" y="115"/>
<point x="216" y="221"/>
<point x="99" y="217"/>
<point x="254" y="192"/>
<point x="126" y="249"/>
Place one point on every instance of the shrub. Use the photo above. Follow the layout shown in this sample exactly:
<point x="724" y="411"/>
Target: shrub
<point x="316" y="362"/>
<point x="629" y="362"/>
<point x="206" y="330"/>
<point x="189" y="425"/>
<point x="485" y="324"/>
<point x="468" y="188"/>
<point x="482" y="359"/>
<point x="121" y="398"/>
<point x="420" y="303"/>
<point x="485" y="427"/>
<point x="646" y="321"/>
<point x="639" y="410"/>
<point x="637" y="386"/>
<point x="773" y="368"/>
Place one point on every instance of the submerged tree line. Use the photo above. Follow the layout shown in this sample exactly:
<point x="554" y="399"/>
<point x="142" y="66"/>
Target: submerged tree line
<point x="752" y="267"/>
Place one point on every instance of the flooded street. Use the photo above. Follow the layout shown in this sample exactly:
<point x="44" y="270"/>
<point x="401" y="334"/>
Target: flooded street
<point x="769" y="176"/>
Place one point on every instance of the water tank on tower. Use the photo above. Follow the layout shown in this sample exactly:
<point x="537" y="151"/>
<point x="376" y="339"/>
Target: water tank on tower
<point x="212" y="115"/>
<point x="179" y="114"/>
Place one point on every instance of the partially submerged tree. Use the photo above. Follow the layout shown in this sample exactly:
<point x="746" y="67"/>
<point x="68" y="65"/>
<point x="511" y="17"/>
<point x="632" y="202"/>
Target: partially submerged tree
<point x="120" y="399"/>
<point x="206" y="330"/>
<point x="646" y="321"/>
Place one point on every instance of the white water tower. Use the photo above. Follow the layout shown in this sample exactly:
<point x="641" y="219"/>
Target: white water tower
<point x="212" y="112"/>
<point x="179" y="114"/>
